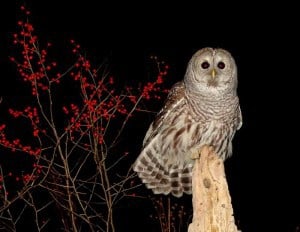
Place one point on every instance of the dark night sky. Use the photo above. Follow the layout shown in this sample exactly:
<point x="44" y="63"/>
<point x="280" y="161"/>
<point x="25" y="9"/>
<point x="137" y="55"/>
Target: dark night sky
<point x="264" y="170"/>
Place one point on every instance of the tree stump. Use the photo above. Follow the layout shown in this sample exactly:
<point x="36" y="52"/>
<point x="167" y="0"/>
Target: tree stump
<point x="212" y="208"/>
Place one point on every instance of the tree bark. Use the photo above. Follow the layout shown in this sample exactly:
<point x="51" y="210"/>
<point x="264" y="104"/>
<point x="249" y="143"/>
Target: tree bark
<point x="212" y="208"/>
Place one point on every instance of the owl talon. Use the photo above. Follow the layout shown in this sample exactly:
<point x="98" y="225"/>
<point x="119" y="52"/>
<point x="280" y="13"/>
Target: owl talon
<point x="195" y="155"/>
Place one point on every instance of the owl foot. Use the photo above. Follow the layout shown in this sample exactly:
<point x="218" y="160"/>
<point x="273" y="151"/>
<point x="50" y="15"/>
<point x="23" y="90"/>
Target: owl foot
<point x="197" y="153"/>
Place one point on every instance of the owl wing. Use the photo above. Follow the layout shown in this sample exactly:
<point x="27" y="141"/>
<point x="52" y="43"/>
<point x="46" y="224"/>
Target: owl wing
<point x="175" y="97"/>
<point x="153" y="165"/>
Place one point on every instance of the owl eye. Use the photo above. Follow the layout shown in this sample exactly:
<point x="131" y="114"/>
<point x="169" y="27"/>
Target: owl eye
<point x="221" y="65"/>
<point x="205" y="65"/>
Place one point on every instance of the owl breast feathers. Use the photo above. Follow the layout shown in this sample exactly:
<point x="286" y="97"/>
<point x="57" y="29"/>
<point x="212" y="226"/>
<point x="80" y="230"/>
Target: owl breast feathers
<point x="203" y="109"/>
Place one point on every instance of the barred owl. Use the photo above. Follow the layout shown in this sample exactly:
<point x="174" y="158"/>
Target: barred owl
<point x="203" y="109"/>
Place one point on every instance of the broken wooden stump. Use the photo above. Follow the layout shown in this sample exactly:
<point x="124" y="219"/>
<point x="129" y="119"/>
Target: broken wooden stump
<point x="212" y="208"/>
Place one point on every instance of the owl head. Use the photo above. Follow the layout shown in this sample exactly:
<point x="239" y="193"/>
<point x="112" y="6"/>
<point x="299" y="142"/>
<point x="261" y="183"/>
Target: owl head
<point x="211" y="70"/>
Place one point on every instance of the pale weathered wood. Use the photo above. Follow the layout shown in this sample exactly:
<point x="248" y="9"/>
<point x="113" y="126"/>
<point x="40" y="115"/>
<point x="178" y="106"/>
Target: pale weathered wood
<point x="212" y="208"/>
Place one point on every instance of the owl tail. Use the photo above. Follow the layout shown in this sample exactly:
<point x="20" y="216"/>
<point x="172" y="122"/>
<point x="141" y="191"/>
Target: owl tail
<point x="160" y="176"/>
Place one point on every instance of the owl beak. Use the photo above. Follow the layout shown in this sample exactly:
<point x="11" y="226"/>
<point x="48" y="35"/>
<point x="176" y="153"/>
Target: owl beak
<point x="213" y="73"/>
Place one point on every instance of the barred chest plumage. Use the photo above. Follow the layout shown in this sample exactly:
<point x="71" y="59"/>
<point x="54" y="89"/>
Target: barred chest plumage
<point x="205" y="108"/>
<point x="196" y="125"/>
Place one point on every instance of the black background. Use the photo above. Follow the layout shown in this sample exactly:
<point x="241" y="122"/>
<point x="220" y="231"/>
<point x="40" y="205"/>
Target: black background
<point x="263" y="173"/>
